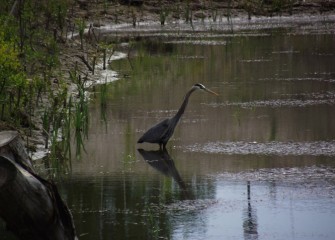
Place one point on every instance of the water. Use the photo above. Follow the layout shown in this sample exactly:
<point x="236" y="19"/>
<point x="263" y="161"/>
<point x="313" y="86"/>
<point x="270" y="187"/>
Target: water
<point x="257" y="162"/>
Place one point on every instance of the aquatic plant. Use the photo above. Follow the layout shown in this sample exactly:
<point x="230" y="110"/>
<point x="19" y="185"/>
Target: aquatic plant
<point x="66" y="120"/>
<point x="81" y="25"/>
<point x="152" y="223"/>
<point x="277" y="5"/>
<point x="229" y="18"/>
<point x="214" y="14"/>
<point x="248" y="6"/>
<point x="177" y="10"/>
<point x="187" y="12"/>
<point x="133" y="17"/>
<point x="163" y="14"/>
<point x="80" y="111"/>
<point x="105" y="6"/>
<point x="103" y="100"/>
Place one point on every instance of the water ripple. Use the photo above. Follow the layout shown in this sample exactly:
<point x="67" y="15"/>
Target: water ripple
<point x="198" y="42"/>
<point x="292" y="175"/>
<point x="190" y="205"/>
<point x="317" y="148"/>
<point x="276" y="103"/>
<point x="316" y="180"/>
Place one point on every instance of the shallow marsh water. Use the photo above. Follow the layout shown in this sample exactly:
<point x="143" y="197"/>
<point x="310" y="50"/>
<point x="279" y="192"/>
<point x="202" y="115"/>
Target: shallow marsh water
<point x="257" y="162"/>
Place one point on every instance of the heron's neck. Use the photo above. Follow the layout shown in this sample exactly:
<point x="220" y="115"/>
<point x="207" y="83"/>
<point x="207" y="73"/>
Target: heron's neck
<point x="183" y="105"/>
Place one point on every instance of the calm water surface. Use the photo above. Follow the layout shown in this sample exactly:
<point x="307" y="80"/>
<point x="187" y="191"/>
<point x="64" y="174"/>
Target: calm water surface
<point x="257" y="162"/>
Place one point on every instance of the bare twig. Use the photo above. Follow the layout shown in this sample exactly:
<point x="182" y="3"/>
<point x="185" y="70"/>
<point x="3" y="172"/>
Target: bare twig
<point x="83" y="59"/>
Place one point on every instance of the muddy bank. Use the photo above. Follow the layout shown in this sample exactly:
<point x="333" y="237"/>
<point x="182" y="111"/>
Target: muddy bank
<point x="122" y="20"/>
<point x="135" y="12"/>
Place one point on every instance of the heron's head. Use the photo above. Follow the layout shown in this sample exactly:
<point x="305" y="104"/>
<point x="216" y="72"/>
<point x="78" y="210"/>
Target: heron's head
<point x="202" y="87"/>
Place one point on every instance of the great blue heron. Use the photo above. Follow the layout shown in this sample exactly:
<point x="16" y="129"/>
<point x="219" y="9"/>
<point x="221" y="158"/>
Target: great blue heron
<point x="161" y="132"/>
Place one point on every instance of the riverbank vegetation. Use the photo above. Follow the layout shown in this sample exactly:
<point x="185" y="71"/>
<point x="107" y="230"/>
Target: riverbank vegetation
<point x="29" y="56"/>
<point x="44" y="51"/>
<point x="34" y="92"/>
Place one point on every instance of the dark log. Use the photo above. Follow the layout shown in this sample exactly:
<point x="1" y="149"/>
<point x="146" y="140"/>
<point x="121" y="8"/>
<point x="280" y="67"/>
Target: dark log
<point x="30" y="205"/>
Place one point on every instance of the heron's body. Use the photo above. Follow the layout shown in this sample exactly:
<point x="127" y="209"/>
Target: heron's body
<point x="162" y="131"/>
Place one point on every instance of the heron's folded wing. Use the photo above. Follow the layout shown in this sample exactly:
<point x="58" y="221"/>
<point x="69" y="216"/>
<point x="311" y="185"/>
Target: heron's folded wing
<point x="156" y="133"/>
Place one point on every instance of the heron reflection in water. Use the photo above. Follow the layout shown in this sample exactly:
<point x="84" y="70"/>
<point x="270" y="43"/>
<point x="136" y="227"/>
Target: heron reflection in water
<point x="162" y="161"/>
<point x="162" y="132"/>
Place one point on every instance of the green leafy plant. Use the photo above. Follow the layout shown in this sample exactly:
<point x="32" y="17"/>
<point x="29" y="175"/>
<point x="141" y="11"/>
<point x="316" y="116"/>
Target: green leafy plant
<point x="12" y="79"/>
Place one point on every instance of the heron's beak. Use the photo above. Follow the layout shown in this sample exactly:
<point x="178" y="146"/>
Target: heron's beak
<point x="210" y="91"/>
